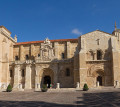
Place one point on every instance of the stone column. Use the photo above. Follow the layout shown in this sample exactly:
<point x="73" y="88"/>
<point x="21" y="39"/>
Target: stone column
<point x="82" y="63"/>
<point x="28" y="77"/>
<point x="16" y="76"/>
<point x="37" y="80"/>
<point x="68" y="50"/>
<point x="56" y="49"/>
<point x="32" y="49"/>
<point x="21" y="53"/>
<point x="55" y="70"/>
<point x="37" y="84"/>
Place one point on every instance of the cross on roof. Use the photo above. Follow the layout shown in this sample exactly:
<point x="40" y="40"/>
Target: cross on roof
<point x="98" y="41"/>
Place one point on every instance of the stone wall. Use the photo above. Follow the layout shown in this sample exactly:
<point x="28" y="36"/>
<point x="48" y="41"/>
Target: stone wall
<point x="6" y="54"/>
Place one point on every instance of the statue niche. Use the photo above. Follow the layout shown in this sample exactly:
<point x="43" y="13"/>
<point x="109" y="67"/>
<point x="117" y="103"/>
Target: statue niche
<point x="46" y="51"/>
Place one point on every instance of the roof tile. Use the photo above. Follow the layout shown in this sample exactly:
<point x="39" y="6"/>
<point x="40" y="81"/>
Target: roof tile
<point x="34" y="42"/>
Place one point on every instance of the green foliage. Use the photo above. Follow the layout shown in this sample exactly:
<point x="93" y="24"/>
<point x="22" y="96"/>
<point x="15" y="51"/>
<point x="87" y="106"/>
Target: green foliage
<point x="85" y="87"/>
<point x="44" y="88"/>
<point x="9" y="88"/>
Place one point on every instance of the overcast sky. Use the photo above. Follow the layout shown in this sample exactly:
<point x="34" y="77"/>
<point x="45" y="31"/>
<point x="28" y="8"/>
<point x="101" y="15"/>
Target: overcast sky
<point x="33" y="20"/>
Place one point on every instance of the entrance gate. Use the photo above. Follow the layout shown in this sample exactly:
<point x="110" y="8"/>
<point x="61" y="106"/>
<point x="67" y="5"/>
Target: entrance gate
<point x="47" y="80"/>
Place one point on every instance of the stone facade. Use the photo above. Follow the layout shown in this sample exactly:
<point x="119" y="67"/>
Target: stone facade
<point x="93" y="58"/>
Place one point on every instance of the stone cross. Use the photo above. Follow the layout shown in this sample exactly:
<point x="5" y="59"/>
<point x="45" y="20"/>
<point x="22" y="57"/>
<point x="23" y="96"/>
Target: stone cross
<point x="98" y="42"/>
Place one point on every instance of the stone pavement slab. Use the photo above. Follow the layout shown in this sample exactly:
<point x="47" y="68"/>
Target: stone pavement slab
<point x="91" y="98"/>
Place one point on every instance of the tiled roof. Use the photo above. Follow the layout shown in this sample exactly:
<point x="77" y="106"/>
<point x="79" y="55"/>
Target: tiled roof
<point x="58" y="40"/>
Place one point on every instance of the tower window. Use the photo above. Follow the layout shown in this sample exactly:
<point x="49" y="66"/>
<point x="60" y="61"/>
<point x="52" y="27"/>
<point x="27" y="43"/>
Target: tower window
<point x="63" y="55"/>
<point x="11" y="73"/>
<point x="16" y="58"/>
<point x="27" y="57"/>
<point x="99" y="55"/>
<point x="67" y="72"/>
<point x="23" y="73"/>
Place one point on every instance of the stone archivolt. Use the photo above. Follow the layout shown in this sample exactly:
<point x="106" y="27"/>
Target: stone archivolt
<point x="94" y="69"/>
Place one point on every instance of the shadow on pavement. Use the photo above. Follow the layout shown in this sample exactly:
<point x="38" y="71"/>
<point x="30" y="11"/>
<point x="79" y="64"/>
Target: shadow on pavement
<point x="103" y="99"/>
<point x="31" y="104"/>
<point x="88" y="99"/>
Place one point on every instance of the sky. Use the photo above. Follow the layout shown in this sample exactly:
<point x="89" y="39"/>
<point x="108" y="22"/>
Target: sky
<point x="34" y="20"/>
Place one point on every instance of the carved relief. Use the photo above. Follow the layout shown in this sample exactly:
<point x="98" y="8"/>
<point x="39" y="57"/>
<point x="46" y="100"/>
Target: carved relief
<point x="46" y="51"/>
<point x="94" y="69"/>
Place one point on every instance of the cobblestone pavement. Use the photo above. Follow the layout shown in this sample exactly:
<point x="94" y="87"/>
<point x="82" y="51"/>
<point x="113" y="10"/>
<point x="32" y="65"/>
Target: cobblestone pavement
<point x="91" y="98"/>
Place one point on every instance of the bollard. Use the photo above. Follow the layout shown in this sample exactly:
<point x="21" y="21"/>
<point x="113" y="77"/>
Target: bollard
<point x="98" y="84"/>
<point x="78" y="85"/>
<point x="58" y="85"/>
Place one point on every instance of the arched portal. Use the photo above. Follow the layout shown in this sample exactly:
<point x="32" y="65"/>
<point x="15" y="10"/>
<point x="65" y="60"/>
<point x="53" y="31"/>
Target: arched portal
<point x="99" y="76"/>
<point x="47" y="80"/>
<point x="46" y="77"/>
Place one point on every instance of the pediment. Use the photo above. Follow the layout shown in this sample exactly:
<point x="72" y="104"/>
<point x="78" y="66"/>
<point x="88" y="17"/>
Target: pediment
<point x="97" y="33"/>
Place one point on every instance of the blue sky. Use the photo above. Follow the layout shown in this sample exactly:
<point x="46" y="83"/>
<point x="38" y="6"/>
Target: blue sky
<point x="33" y="20"/>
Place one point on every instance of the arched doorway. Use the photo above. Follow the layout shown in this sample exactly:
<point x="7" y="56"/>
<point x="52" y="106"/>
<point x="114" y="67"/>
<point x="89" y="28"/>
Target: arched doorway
<point x="99" y="79"/>
<point x="47" y="80"/>
<point x="46" y="77"/>
<point x="99" y="76"/>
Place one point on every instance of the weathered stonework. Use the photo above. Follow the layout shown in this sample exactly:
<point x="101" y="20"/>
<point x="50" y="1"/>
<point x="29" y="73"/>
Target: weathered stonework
<point x="93" y="58"/>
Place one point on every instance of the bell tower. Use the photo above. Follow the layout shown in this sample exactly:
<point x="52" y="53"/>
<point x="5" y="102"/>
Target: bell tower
<point x="116" y="32"/>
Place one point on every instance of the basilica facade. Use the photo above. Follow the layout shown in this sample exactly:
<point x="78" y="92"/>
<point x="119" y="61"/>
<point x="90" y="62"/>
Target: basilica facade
<point x="92" y="58"/>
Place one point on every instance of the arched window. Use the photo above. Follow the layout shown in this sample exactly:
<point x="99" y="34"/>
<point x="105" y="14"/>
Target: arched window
<point x="11" y="73"/>
<point x="99" y="55"/>
<point x="67" y="72"/>
<point x="27" y="57"/>
<point x="63" y="55"/>
<point x="16" y="58"/>
<point x="23" y="73"/>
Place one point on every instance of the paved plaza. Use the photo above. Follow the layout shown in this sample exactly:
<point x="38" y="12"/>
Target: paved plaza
<point x="91" y="98"/>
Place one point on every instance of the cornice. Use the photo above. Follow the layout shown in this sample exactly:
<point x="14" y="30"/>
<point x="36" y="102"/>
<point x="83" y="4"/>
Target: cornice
<point x="6" y="35"/>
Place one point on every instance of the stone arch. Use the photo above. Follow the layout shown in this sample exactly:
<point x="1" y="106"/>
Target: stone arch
<point x="46" y="72"/>
<point x="99" y="76"/>
<point x="94" y="68"/>
<point x="98" y="72"/>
